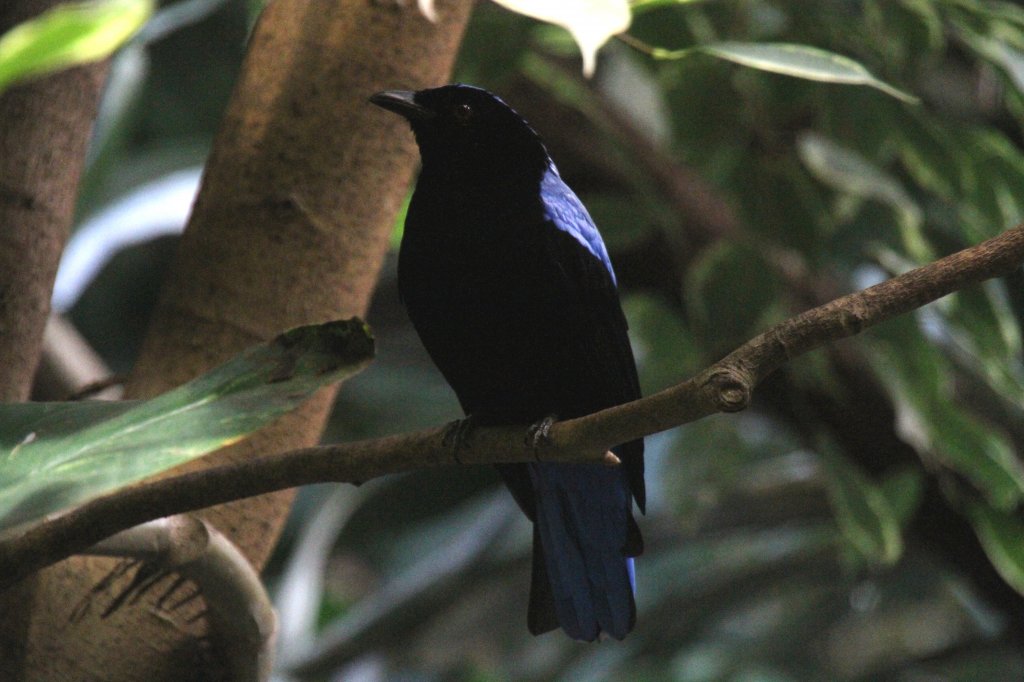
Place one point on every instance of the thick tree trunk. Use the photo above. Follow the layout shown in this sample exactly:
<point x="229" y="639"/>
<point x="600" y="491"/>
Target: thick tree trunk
<point x="44" y="131"/>
<point x="290" y="227"/>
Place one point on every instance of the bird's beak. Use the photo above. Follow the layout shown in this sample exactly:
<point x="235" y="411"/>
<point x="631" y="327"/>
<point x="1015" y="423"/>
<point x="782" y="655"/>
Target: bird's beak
<point x="401" y="102"/>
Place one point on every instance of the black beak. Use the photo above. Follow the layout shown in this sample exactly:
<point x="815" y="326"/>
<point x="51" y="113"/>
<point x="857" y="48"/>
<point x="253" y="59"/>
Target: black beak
<point x="401" y="102"/>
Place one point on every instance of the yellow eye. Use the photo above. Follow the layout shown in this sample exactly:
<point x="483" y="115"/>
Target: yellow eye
<point x="462" y="113"/>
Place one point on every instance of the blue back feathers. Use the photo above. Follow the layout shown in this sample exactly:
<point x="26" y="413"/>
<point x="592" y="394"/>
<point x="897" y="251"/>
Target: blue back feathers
<point x="566" y="212"/>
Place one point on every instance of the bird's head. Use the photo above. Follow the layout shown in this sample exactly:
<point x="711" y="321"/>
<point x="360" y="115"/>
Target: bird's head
<point x="467" y="127"/>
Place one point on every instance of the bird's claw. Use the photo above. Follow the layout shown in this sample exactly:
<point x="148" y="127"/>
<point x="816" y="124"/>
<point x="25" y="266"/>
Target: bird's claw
<point x="456" y="435"/>
<point x="538" y="434"/>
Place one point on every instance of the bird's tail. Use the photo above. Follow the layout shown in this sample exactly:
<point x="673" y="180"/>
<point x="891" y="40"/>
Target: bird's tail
<point x="583" y="539"/>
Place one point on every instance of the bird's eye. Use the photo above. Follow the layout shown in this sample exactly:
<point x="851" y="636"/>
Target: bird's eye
<point x="462" y="113"/>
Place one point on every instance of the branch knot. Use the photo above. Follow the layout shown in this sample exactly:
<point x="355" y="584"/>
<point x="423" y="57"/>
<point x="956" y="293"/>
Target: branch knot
<point x="731" y="393"/>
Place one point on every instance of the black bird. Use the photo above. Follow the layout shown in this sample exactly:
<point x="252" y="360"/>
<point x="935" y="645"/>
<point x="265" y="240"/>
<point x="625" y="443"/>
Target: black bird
<point x="510" y="288"/>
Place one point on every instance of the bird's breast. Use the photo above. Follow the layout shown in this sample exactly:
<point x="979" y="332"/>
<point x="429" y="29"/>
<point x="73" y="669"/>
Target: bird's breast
<point x="465" y="247"/>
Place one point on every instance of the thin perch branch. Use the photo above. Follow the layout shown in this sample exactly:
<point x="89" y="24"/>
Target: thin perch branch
<point x="725" y="386"/>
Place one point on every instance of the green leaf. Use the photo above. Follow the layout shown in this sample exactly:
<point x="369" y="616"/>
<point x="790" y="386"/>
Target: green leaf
<point x="863" y="512"/>
<point x="801" y="61"/>
<point x="666" y="353"/>
<point x="998" y="10"/>
<point x="399" y="229"/>
<point x="929" y="155"/>
<point x="644" y="5"/>
<point x="730" y="294"/>
<point x="56" y="455"/>
<point x="1002" y="536"/>
<point x="69" y="34"/>
<point x="929" y="418"/>
<point x="903" y="491"/>
<point x="930" y="19"/>
<point x="847" y="171"/>
<point x="985" y="331"/>
<point x="999" y="53"/>
<point x="998" y="165"/>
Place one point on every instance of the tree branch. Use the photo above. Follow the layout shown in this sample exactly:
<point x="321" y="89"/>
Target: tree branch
<point x="237" y="605"/>
<point x="725" y="386"/>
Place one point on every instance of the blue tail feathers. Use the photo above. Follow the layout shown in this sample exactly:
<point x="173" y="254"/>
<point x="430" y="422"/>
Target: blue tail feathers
<point x="582" y="525"/>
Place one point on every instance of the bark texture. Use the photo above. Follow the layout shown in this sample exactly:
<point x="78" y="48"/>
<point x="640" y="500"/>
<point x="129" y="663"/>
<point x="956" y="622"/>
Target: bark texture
<point x="290" y="228"/>
<point x="44" y="131"/>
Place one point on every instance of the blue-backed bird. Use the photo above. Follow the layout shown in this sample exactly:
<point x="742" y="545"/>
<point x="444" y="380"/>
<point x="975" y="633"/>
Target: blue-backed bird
<point x="509" y="286"/>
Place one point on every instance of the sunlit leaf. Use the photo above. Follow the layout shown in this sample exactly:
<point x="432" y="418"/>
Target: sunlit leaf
<point x="399" y="229"/>
<point x="800" y="61"/>
<point x="591" y="22"/>
<point x="53" y="455"/>
<point x="67" y="35"/>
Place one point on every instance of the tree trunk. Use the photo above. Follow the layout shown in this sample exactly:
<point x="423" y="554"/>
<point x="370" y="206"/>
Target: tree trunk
<point x="44" y="131"/>
<point x="290" y="227"/>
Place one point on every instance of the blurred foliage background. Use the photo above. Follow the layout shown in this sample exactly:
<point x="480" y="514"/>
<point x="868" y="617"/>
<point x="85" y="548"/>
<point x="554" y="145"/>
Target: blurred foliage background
<point x="859" y="522"/>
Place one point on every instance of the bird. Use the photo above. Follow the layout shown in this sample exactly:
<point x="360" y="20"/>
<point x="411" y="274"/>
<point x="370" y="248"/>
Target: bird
<point x="510" y="288"/>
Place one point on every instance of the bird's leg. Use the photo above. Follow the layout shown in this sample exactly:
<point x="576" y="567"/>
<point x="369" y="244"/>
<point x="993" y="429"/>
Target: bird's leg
<point x="539" y="434"/>
<point x="457" y="433"/>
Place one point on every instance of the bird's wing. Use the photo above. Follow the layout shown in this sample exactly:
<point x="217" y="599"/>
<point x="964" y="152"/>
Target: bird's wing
<point x="567" y="213"/>
<point x="579" y="253"/>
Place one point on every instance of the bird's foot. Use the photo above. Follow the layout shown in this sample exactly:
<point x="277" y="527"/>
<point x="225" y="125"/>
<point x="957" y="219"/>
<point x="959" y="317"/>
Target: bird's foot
<point x="538" y="434"/>
<point x="456" y="435"/>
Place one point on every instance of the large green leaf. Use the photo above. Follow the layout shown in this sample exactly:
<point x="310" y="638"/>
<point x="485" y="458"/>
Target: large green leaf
<point x="53" y="455"/>
<point x="69" y="34"/>
<point x="800" y="61"/>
